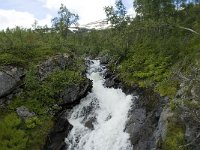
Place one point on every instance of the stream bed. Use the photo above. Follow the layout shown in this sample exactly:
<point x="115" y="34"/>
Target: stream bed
<point x="99" y="120"/>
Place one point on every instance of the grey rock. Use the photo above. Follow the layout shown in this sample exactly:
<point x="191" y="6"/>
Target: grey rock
<point x="89" y="123"/>
<point x="195" y="91"/>
<point x="73" y="94"/>
<point x="56" y="138"/>
<point x="58" y="62"/>
<point x="162" y="127"/>
<point x="104" y="59"/>
<point x="10" y="79"/>
<point x="24" y="112"/>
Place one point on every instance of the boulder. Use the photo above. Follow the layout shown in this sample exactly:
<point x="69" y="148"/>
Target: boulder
<point x="89" y="123"/>
<point x="58" y="62"/>
<point x="10" y="79"/>
<point x="24" y="112"/>
<point x="56" y="138"/>
<point x="72" y="95"/>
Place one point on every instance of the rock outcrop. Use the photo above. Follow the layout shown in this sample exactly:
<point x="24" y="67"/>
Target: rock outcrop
<point x="24" y="112"/>
<point x="188" y="103"/>
<point x="56" y="63"/>
<point x="56" y="138"/>
<point x="10" y="82"/>
<point x="143" y="122"/>
<point x="72" y="95"/>
<point x="10" y="78"/>
<point x="151" y="115"/>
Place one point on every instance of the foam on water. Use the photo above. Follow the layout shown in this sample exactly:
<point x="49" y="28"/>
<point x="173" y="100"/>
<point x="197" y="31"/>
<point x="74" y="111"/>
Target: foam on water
<point x="106" y="110"/>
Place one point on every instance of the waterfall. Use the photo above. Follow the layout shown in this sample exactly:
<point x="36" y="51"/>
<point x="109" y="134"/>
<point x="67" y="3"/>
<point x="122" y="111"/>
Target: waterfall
<point x="99" y="120"/>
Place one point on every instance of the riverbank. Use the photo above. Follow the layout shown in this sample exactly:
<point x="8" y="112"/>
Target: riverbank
<point x="33" y="99"/>
<point x="157" y="121"/>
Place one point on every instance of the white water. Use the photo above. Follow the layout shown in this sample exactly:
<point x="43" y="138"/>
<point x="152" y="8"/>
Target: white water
<point x="108" y="109"/>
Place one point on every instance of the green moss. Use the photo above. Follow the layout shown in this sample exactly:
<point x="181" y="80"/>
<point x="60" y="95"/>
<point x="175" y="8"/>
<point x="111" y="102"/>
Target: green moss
<point x="145" y="69"/>
<point x="38" y="96"/>
<point x="194" y="105"/>
<point x="10" y="59"/>
<point x="38" y="134"/>
<point x="59" y="80"/>
<point x="11" y="136"/>
<point x="167" y="88"/>
<point x="174" y="136"/>
<point x="32" y="122"/>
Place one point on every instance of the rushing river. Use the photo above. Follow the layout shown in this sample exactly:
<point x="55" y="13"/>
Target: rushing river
<point x="99" y="120"/>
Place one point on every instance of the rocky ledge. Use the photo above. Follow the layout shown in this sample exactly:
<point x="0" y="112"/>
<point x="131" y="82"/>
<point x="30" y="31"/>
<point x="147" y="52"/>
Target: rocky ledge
<point x="10" y="82"/>
<point x="143" y="123"/>
<point x="56" y="138"/>
<point x="70" y="97"/>
<point x="152" y="123"/>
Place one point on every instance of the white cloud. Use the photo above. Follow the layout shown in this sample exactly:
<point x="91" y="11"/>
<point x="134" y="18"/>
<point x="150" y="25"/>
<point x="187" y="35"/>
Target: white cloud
<point x="131" y="12"/>
<point x="13" y="18"/>
<point x="88" y="10"/>
<point x="45" y="21"/>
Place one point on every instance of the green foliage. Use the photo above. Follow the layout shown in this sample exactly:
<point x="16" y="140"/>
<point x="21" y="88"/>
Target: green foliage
<point x="145" y="49"/>
<point x="193" y="105"/>
<point x="38" y="134"/>
<point x="10" y="59"/>
<point x="64" y="20"/>
<point x="39" y="95"/>
<point x="167" y="88"/>
<point x="174" y="137"/>
<point x="59" y="80"/>
<point x="11" y="136"/>
<point x="32" y="122"/>
<point x="145" y="69"/>
<point x="117" y="16"/>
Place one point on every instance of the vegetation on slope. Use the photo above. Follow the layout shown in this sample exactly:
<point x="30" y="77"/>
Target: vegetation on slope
<point x="151" y="50"/>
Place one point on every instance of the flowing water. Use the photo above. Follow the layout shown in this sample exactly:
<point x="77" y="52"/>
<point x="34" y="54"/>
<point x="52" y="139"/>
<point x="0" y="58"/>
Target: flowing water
<point x="99" y="120"/>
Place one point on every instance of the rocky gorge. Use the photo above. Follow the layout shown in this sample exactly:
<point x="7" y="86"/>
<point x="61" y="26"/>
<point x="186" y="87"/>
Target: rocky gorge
<point x="13" y="84"/>
<point x="160" y="122"/>
<point x="153" y="120"/>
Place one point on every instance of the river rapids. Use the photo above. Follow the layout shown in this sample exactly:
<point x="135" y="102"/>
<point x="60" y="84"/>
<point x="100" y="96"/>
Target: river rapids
<point x="99" y="120"/>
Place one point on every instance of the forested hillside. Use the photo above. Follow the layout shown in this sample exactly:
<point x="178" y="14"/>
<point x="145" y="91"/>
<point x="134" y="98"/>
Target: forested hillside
<point x="158" y="49"/>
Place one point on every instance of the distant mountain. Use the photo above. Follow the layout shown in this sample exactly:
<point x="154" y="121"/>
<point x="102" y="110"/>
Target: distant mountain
<point x="98" y="25"/>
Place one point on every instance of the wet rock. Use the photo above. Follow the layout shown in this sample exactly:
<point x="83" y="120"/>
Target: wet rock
<point x="56" y="138"/>
<point x="24" y="112"/>
<point x="89" y="123"/>
<point x="134" y="124"/>
<point x="144" y="116"/>
<point x="72" y="95"/>
<point x="104" y="59"/>
<point x="10" y="79"/>
<point x="161" y="132"/>
<point x="58" y="62"/>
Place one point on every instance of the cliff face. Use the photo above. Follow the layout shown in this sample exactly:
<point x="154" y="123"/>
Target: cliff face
<point x="41" y="96"/>
<point x="157" y="122"/>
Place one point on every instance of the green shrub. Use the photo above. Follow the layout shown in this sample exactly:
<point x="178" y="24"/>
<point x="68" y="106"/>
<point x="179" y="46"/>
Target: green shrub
<point x="11" y="136"/>
<point x="10" y="59"/>
<point x="32" y="122"/>
<point x="174" y="137"/>
<point x="38" y="134"/>
<point x="167" y="87"/>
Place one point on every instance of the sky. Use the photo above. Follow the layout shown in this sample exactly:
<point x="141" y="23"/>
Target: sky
<point x="23" y="13"/>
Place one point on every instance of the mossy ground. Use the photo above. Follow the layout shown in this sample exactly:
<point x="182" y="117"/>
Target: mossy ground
<point x="175" y="139"/>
